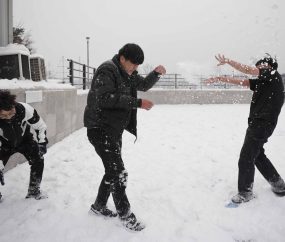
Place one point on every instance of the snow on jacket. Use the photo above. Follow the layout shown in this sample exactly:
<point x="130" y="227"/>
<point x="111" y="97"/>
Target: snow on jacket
<point x="112" y="100"/>
<point x="13" y="131"/>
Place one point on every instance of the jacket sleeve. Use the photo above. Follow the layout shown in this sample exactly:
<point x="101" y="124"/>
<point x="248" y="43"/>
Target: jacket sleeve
<point x="146" y="83"/>
<point x="36" y="122"/>
<point x="108" y="96"/>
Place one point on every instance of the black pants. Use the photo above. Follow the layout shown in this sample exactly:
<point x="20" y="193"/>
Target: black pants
<point x="252" y="154"/>
<point x="115" y="179"/>
<point x="30" y="149"/>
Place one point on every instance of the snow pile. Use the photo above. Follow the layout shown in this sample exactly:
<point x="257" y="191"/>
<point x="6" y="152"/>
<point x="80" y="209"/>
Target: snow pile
<point x="28" y="84"/>
<point x="12" y="49"/>
<point x="182" y="171"/>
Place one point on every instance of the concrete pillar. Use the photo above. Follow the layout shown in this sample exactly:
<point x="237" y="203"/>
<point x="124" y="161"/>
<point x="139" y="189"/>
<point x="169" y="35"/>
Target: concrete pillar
<point x="6" y="22"/>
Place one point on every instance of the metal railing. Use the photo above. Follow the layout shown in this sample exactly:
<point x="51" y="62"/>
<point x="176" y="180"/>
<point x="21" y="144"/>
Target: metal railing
<point x="80" y="80"/>
<point x="172" y="81"/>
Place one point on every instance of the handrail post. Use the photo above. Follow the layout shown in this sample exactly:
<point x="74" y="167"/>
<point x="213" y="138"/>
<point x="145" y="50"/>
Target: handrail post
<point x="84" y="77"/>
<point x="175" y="81"/>
<point x="71" y="72"/>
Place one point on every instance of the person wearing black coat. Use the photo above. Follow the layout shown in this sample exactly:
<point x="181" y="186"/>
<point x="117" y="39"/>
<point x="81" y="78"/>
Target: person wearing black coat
<point x="267" y="101"/>
<point x="112" y="108"/>
<point x="16" y="120"/>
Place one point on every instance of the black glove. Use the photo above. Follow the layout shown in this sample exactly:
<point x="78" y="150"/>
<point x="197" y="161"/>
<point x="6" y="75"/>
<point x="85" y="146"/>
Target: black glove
<point x="2" y="178"/>
<point x="42" y="149"/>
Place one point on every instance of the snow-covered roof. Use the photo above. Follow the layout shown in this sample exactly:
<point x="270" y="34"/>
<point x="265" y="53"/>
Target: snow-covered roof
<point x="13" y="49"/>
<point x="36" y="56"/>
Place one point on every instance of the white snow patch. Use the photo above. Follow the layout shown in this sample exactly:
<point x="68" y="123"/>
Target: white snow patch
<point x="182" y="171"/>
<point x="29" y="84"/>
<point x="12" y="49"/>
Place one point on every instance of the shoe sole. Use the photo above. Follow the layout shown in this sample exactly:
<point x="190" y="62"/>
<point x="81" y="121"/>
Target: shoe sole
<point x="279" y="194"/>
<point x="119" y="224"/>
<point x="94" y="212"/>
<point x="40" y="198"/>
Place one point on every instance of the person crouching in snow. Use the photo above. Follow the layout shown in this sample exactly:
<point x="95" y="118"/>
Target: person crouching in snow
<point x="266" y="104"/>
<point x="16" y="118"/>
<point x="112" y="105"/>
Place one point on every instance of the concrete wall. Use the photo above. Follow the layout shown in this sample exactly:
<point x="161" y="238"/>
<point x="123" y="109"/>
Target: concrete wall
<point x="62" y="109"/>
<point x="222" y="96"/>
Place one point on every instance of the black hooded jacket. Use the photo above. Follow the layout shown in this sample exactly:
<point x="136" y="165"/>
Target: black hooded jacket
<point x="112" y="100"/>
<point x="15" y="130"/>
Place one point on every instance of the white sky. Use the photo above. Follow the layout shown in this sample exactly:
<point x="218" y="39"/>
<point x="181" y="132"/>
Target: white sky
<point x="169" y="31"/>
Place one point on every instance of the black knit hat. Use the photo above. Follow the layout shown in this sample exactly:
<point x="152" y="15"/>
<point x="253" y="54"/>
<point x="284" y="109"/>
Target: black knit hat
<point x="133" y="53"/>
<point x="269" y="61"/>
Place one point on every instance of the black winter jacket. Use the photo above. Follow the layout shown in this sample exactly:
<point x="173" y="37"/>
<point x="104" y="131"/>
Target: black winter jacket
<point x="14" y="131"/>
<point x="112" y="100"/>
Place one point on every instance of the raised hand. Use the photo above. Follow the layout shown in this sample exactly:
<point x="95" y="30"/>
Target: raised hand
<point x="160" y="70"/>
<point x="211" y="80"/>
<point x="222" y="60"/>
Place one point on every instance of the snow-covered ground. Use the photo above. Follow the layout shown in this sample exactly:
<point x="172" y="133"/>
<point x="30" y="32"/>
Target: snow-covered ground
<point x="182" y="171"/>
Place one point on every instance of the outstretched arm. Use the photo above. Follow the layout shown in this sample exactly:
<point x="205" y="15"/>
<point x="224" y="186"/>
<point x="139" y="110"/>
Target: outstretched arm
<point x="232" y="80"/>
<point x="145" y="83"/>
<point x="238" y="66"/>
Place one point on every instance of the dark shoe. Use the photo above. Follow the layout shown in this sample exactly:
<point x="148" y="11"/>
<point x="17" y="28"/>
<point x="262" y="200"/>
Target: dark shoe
<point x="278" y="187"/>
<point x="103" y="211"/>
<point x="242" y="197"/>
<point x="1" y="198"/>
<point x="131" y="223"/>
<point x="36" y="194"/>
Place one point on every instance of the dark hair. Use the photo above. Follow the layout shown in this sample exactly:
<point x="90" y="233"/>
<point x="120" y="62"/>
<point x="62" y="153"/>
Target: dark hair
<point x="7" y="100"/>
<point x="133" y="53"/>
<point x="268" y="60"/>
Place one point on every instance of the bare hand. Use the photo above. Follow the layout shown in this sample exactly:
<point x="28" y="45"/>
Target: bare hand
<point x="211" y="80"/>
<point x="160" y="70"/>
<point x="147" y="105"/>
<point x="222" y="60"/>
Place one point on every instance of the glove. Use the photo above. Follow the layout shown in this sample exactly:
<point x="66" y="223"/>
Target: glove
<point x="42" y="149"/>
<point x="2" y="178"/>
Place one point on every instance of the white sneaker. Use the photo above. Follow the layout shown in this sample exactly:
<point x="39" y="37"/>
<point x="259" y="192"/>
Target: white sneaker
<point x="278" y="187"/>
<point x="242" y="197"/>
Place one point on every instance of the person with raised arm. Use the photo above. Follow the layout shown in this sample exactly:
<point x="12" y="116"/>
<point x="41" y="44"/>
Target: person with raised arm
<point x="266" y="104"/>
<point x="112" y="105"/>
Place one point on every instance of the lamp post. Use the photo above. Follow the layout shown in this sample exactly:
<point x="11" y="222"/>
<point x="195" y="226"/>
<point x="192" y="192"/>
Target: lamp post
<point x="87" y="38"/>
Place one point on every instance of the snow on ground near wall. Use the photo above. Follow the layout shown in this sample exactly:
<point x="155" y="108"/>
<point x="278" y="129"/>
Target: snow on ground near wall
<point x="182" y="172"/>
<point x="29" y="84"/>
